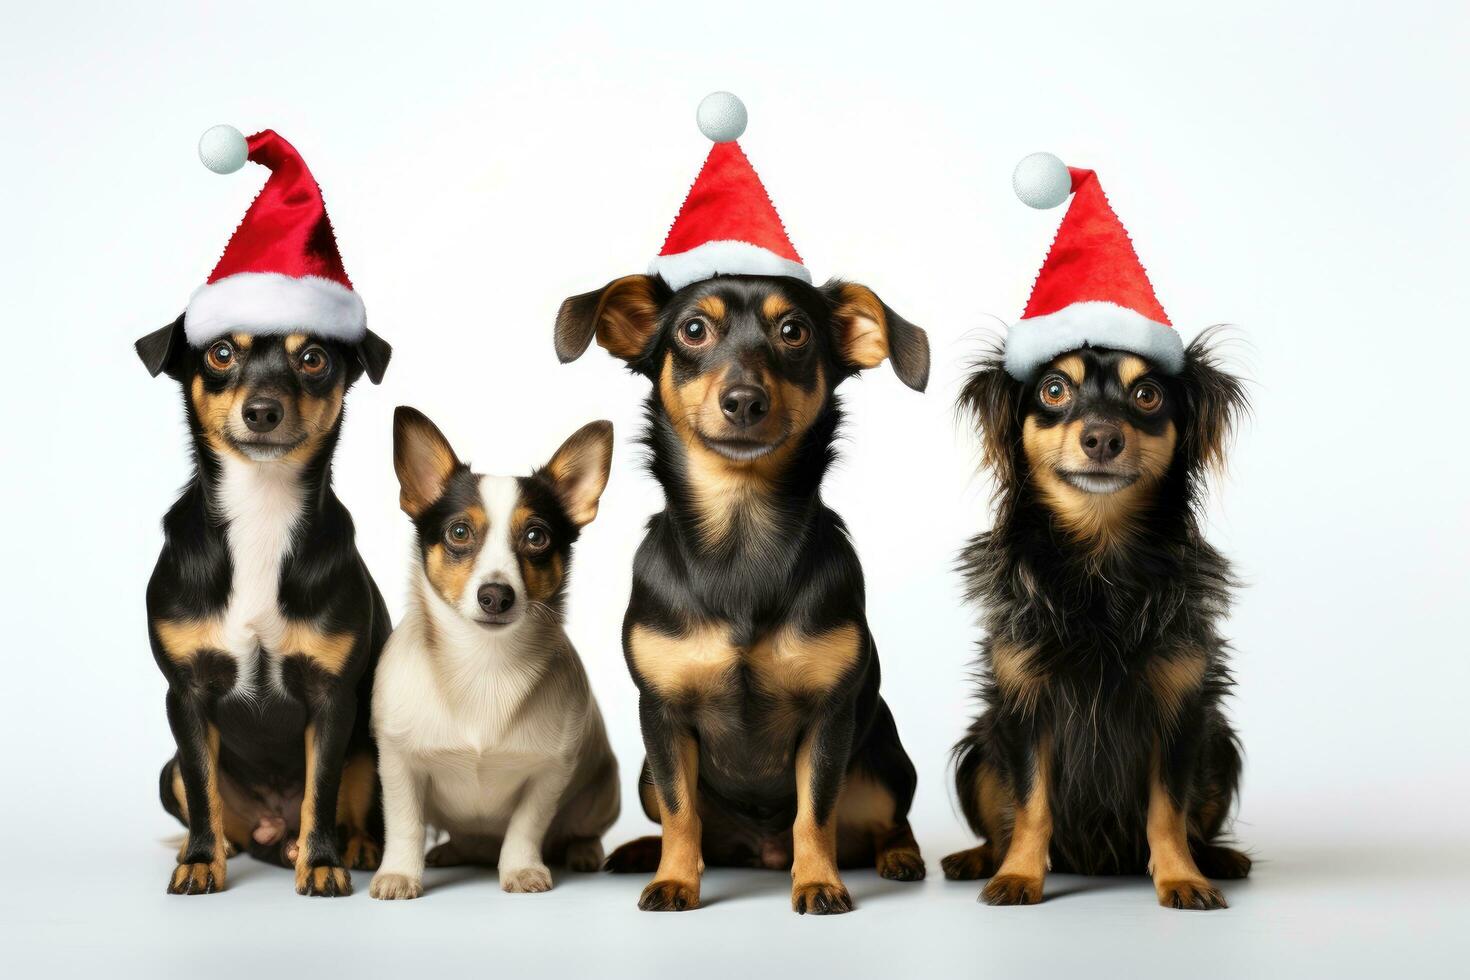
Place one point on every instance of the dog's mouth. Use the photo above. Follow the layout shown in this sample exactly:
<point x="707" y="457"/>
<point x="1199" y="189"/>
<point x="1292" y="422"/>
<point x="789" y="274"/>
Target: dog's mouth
<point x="495" y="622"/>
<point x="1093" y="482"/>
<point x="264" y="450"/>
<point x="741" y="450"/>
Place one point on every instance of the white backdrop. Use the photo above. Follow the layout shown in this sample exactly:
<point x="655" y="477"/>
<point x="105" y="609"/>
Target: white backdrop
<point x="1300" y="173"/>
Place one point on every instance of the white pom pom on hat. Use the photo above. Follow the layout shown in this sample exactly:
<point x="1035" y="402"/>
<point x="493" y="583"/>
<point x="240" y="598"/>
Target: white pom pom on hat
<point x="721" y="117"/>
<point x="222" y="149"/>
<point x="1042" y="181"/>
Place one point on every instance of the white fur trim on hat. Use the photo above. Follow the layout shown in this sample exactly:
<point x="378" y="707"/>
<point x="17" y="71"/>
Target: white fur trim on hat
<point x="1032" y="343"/>
<point x="728" y="258"/>
<point x="272" y="303"/>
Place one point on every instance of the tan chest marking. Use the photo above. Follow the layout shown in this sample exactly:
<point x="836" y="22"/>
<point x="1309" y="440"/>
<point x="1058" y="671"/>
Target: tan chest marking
<point x="703" y="661"/>
<point x="1176" y="679"/>
<point x="184" y="639"/>
<point x="1016" y="673"/>
<point x="329" y="651"/>
<point x="792" y="662"/>
<point x="699" y="661"/>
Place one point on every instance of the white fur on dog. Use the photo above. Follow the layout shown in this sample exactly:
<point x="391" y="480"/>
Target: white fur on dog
<point x="261" y="501"/>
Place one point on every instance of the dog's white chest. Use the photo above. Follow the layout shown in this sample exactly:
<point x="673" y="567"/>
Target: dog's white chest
<point x="262" y="502"/>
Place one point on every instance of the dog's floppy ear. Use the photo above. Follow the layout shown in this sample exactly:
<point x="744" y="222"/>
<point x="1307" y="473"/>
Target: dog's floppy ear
<point x="580" y="468"/>
<point x="163" y="349"/>
<point x="373" y="353"/>
<point x="622" y="316"/>
<point x="992" y="400"/>
<point x="868" y="333"/>
<point x="1215" y="402"/>
<point x="422" y="458"/>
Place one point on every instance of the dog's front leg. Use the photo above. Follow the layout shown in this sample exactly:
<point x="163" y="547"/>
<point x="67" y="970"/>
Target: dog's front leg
<point x="1177" y="879"/>
<point x="1022" y="873"/>
<point x="401" y="873"/>
<point x="673" y="758"/>
<point x="821" y="763"/>
<point x="520" y="865"/>
<point x="319" y="868"/>
<point x="202" y="857"/>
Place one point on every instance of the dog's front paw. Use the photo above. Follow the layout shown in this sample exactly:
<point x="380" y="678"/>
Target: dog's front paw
<point x="902" y="864"/>
<point x="669" y="896"/>
<point x="970" y="865"/>
<point x="584" y="854"/>
<point x="391" y="887"/>
<point x="639" y="856"/>
<point x="821" y="898"/>
<point x="1219" y="861"/>
<point x="361" y="852"/>
<point x="532" y="878"/>
<point x="1189" y="894"/>
<point x="197" y="878"/>
<point x="1012" y="890"/>
<point x="325" y="880"/>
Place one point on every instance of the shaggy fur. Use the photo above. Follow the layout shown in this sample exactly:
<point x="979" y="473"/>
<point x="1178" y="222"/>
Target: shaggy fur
<point x="1102" y="671"/>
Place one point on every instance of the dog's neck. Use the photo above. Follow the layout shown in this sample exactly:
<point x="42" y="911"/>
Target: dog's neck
<point x="225" y="477"/>
<point x="727" y="512"/>
<point x="1149" y="548"/>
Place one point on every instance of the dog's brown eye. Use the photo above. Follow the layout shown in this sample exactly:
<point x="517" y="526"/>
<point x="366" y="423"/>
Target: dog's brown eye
<point x="694" y="332"/>
<point x="794" y="333"/>
<point x="537" y="539"/>
<point x="1055" y="391"/>
<point x="1147" y="396"/>
<point x="459" y="534"/>
<point x="314" y="361"/>
<point x="220" y="356"/>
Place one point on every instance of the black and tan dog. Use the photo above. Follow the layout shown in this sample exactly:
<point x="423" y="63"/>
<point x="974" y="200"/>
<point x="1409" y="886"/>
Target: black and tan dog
<point x="263" y="617"/>
<point x="768" y="744"/>
<point x="1102" y="748"/>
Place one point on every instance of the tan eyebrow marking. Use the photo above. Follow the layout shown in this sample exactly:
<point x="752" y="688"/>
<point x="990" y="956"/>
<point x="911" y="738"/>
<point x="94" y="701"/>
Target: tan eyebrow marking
<point x="1073" y="367"/>
<point x="1130" y="369"/>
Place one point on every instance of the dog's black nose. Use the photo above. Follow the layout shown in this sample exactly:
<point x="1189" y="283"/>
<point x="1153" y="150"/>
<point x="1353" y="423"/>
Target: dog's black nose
<point x="745" y="405"/>
<point x="1102" y="441"/>
<point x="496" y="598"/>
<point x="263" y="414"/>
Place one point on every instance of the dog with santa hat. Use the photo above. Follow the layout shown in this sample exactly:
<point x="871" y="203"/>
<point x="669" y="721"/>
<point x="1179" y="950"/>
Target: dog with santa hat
<point x="261" y="614"/>
<point x="768" y="742"/>
<point x="1103" y="747"/>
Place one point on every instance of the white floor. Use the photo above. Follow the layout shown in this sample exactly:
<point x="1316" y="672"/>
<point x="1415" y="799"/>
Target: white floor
<point x="1313" y="908"/>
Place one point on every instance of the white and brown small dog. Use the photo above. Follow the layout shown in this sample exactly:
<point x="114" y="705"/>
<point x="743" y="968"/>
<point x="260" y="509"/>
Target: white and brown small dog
<point x="486" y="724"/>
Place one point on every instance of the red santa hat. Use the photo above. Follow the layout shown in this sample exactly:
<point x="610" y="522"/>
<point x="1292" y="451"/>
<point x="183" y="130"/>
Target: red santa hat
<point x="728" y="225"/>
<point x="281" y="271"/>
<point x="1092" y="290"/>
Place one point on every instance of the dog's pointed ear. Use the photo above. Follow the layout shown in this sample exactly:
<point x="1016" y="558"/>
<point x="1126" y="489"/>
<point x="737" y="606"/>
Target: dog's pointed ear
<point x="580" y="469"/>
<point x="992" y="400"/>
<point x="373" y="353"/>
<point x="622" y="315"/>
<point x="162" y="349"/>
<point x="422" y="458"/>
<point x="868" y="333"/>
<point x="1216" y="402"/>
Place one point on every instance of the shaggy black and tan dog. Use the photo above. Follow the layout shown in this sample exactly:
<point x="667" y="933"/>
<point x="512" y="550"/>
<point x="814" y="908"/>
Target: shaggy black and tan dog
<point x="1102" y="747"/>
